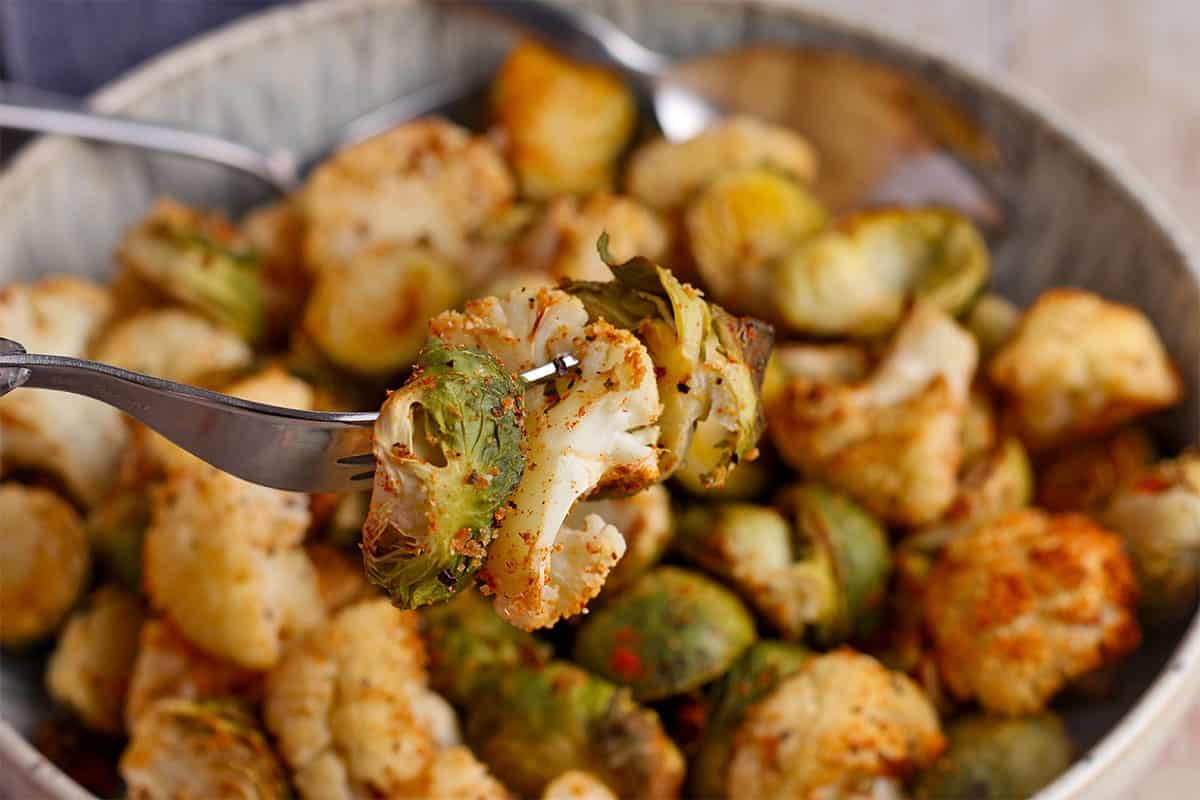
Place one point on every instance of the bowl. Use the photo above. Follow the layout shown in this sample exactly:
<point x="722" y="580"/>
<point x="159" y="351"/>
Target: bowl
<point x="293" y="75"/>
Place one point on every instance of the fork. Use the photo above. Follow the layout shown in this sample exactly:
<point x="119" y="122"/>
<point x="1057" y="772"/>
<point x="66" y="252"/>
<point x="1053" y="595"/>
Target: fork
<point x="283" y="448"/>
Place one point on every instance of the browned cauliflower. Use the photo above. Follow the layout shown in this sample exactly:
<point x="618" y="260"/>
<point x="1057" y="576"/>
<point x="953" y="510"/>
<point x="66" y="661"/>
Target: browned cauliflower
<point x="842" y="726"/>
<point x="1026" y="603"/>
<point x="175" y="345"/>
<point x="1084" y="477"/>
<point x="565" y="122"/>
<point x="893" y="440"/>
<point x="168" y="665"/>
<point x="223" y="560"/>
<point x="1080" y="365"/>
<point x="77" y="439"/>
<point x="644" y="520"/>
<point x="90" y="668"/>
<point x="577" y="785"/>
<point x="427" y="181"/>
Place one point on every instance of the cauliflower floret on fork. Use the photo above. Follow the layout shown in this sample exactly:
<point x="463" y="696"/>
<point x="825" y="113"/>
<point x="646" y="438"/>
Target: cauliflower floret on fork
<point x="594" y="430"/>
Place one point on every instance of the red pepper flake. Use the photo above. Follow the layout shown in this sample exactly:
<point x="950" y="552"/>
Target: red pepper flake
<point x="626" y="664"/>
<point x="1153" y="484"/>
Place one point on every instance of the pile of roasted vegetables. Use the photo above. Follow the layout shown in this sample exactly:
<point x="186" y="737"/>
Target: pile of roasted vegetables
<point x="816" y="516"/>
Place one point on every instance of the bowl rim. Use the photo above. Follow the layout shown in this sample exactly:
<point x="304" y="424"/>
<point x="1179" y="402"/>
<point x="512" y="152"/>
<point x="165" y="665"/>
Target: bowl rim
<point x="1172" y="690"/>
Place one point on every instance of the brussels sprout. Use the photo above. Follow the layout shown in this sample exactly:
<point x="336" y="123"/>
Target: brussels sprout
<point x="644" y="520"/>
<point x="344" y="526"/>
<point x="752" y="677"/>
<point x="856" y="278"/>
<point x="709" y="364"/>
<point x="1158" y="516"/>
<point x="1084" y="478"/>
<point x="997" y="758"/>
<point x="199" y="261"/>
<point x="531" y="725"/>
<point x="739" y="225"/>
<point x="182" y="748"/>
<point x="448" y="445"/>
<point x="117" y="529"/>
<point x="371" y="315"/>
<point x="670" y="632"/>
<point x="44" y="562"/>
<point x="992" y="321"/>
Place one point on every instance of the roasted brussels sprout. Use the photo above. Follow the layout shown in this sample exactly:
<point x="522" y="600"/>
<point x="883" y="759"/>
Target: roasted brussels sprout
<point x="92" y="661"/>
<point x="856" y="278"/>
<point x="1078" y="366"/>
<point x="1158" y="516"/>
<point x="670" y="632"/>
<point x="200" y="261"/>
<point x="644" y="520"/>
<point x="448" y="452"/>
<point x="117" y="530"/>
<point x="841" y="726"/>
<point x="992" y="321"/>
<point x="222" y="558"/>
<point x="44" y="562"/>
<point x="997" y="758"/>
<point x="181" y="748"/>
<point x="370" y="316"/>
<point x="739" y="225"/>
<point x="892" y="441"/>
<point x="566" y="122"/>
<point x="752" y="677"/>
<point x="591" y="432"/>
<point x="76" y="439"/>
<point x="665" y="175"/>
<point x="532" y="725"/>
<point x="709" y="364"/>
<point x="1084" y="478"/>
<point x="1025" y="603"/>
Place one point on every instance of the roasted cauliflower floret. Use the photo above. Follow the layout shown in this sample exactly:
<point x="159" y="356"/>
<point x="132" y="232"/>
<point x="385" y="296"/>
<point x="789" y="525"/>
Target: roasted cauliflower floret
<point x="841" y="726"/>
<point x="665" y="175"/>
<point x="577" y="785"/>
<point x="425" y="182"/>
<point x="448" y="452"/>
<point x="167" y="665"/>
<point x="1158" y="516"/>
<point x="565" y="122"/>
<point x="593" y="430"/>
<point x="1026" y="603"/>
<point x="223" y="560"/>
<point x="1080" y="365"/>
<point x="175" y="345"/>
<point x="44" y="561"/>
<point x="200" y="261"/>
<point x="739" y="225"/>
<point x="644" y="521"/>
<point x="891" y="441"/>
<point x="856" y="278"/>
<point x="183" y="749"/>
<point x="1084" y="477"/>
<point x="77" y="439"/>
<point x="92" y="662"/>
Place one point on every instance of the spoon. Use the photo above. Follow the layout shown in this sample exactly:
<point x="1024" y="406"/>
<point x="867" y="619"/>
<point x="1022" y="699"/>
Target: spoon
<point x="23" y="108"/>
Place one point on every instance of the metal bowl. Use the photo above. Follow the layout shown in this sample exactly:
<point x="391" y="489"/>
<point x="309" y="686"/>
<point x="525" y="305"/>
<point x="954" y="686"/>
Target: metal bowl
<point x="293" y="75"/>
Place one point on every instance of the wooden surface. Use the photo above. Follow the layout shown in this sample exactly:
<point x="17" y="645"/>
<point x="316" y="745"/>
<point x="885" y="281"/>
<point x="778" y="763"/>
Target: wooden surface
<point x="1128" y="71"/>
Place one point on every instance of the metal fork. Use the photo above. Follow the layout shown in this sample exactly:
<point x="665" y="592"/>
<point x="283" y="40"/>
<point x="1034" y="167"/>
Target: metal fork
<point x="284" y="448"/>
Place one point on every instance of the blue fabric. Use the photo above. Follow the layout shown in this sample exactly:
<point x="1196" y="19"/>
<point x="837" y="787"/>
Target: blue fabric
<point x="73" y="46"/>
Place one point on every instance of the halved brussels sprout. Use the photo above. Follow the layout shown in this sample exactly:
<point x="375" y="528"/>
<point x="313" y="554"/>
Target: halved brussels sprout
<point x="531" y="725"/>
<point x="739" y="225"/>
<point x="117" y="529"/>
<point x="709" y="364"/>
<point x="992" y="321"/>
<point x="644" y="520"/>
<point x="752" y="677"/>
<point x="44" y="562"/>
<point x="371" y="315"/>
<point x="182" y="748"/>
<point x="1084" y="478"/>
<point x="670" y="632"/>
<point x="857" y="278"/>
<point x="448" y="447"/>
<point x="200" y="261"/>
<point x="1158" y="516"/>
<point x="997" y="758"/>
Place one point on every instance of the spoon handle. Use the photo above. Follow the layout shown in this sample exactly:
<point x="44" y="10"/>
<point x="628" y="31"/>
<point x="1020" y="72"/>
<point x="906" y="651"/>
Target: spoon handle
<point x="580" y="34"/>
<point x="41" y="113"/>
